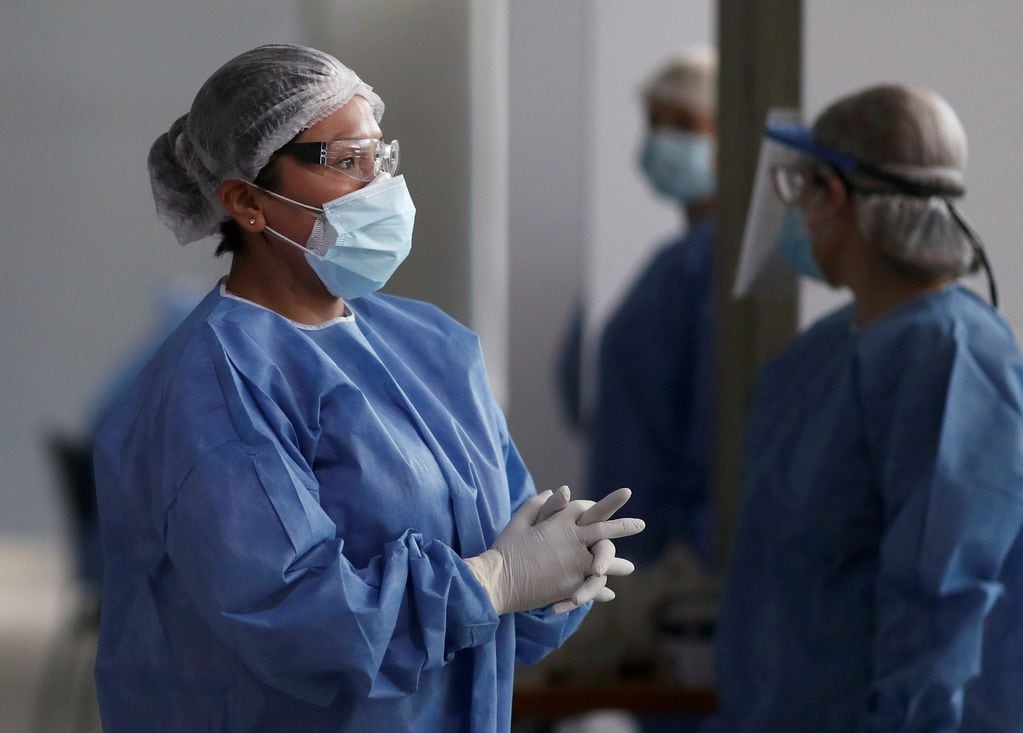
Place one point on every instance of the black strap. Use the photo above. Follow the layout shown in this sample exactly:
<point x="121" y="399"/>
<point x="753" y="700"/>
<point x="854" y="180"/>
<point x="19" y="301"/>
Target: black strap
<point x="978" y="248"/>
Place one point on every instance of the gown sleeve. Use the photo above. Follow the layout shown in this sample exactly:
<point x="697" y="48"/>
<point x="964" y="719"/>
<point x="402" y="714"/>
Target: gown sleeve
<point x="261" y="563"/>
<point x="946" y="439"/>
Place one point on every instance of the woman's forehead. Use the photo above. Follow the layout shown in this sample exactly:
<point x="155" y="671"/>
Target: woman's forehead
<point x="355" y="119"/>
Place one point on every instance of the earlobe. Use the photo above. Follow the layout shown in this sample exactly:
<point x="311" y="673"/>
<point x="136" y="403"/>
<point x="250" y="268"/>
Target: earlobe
<point x="240" y="202"/>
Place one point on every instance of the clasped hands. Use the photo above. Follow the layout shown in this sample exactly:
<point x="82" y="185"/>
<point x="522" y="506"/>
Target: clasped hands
<point x="555" y="550"/>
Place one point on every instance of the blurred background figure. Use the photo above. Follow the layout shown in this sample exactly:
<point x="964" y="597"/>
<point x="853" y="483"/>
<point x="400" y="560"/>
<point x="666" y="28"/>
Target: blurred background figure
<point x="651" y="426"/>
<point x="877" y="573"/>
<point x="652" y="423"/>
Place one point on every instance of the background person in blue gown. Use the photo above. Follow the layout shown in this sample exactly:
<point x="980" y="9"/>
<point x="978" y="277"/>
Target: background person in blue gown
<point x="313" y="517"/>
<point x="651" y="427"/>
<point x="877" y="575"/>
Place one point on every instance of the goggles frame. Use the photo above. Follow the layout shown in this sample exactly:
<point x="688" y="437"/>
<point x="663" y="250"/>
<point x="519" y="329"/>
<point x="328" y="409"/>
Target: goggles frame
<point x="385" y="155"/>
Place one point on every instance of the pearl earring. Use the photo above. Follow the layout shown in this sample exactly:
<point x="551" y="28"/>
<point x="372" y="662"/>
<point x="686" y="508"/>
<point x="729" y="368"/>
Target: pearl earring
<point x="252" y="222"/>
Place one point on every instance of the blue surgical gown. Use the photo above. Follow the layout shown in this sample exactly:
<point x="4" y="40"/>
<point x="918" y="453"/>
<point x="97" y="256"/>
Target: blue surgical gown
<point x="284" y="512"/>
<point x="877" y="574"/>
<point x="652" y="428"/>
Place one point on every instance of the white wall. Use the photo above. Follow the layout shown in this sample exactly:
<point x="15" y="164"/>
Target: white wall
<point x="968" y="52"/>
<point x="488" y="176"/>
<point x="85" y="88"/>
<point x="547" y="112"/>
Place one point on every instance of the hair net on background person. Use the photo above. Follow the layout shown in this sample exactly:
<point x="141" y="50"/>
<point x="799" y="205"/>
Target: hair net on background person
<point x="916" y="135"/>
<point x="690" y="79"/>
<point x="248" y="109"/>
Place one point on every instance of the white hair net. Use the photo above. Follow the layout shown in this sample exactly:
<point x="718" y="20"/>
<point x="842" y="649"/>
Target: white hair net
<point x="249" y="108"/>
<point x="919" y="234"/>
<point x="690" y="79"/>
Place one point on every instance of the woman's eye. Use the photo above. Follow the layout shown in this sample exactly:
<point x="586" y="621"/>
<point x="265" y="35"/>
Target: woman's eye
<point x="346" y="163"/>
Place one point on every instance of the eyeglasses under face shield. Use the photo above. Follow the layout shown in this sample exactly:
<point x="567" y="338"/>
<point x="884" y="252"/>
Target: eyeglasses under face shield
<point x="793" y="183"/>
<point x="362" y="159"/>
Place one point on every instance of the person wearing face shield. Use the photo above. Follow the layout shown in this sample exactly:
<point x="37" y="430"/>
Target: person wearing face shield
<point x="652" y="421"/>
<point x="877" y="573"/>
<point x="313" y="517"/>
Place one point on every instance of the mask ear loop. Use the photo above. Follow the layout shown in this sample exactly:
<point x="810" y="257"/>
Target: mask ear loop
<point x="978" y="249"/>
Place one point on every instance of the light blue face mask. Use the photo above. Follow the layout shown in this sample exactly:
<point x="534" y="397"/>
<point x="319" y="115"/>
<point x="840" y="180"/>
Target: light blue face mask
<point x="358" y="240"/>
<point x="795" y="244"/>
<point x="680" y="165"/>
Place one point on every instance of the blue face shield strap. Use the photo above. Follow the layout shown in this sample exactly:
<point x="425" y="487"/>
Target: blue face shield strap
<point x="800" y="138"/>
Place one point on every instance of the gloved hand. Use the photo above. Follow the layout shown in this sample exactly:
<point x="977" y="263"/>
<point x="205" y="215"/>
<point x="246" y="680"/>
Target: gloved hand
<point x="534" y="562"/>
<point x="594" y="588"/>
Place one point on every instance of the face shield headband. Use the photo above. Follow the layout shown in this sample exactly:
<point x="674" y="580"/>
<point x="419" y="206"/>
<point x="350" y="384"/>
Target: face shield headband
<point x="799" y="137"/>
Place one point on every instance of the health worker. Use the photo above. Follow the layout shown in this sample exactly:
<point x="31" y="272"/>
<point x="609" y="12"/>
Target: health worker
<point x="313" y="517"/>
<point x="877" y="573"/>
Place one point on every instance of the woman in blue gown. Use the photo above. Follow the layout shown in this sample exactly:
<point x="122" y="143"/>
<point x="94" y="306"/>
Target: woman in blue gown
<point x="877" y="574"/>
<point x="305" y="497"/>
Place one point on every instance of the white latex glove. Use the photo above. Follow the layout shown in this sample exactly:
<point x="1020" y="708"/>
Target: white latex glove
<point x="594" y="588"/>
<point x="535" y="563"/>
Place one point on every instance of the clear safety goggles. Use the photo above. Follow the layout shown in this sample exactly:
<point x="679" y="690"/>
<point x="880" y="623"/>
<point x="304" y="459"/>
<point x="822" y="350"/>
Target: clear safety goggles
<point x="362" y="159"/>
<point x="792" y="183"/>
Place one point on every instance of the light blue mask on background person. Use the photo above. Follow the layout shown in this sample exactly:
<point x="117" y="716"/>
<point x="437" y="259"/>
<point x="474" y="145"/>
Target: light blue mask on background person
<point x="795" y="244"/>
<point x="360" y="239"/>
<point x="680" y="165"/>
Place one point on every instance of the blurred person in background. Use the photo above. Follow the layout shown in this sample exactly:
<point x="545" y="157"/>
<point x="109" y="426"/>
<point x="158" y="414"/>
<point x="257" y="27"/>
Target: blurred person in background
<point x="877" y="573"/>
<point x="651" y="425"/>
<point x="313" y="517"/>
<point x="652" y="421"/>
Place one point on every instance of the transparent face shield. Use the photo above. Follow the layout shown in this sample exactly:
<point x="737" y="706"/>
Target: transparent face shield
<point x="789" y="160"/>
<point x="761" y="264"/>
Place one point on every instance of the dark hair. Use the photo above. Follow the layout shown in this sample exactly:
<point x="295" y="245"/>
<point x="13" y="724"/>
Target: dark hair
<point x="232" y="239"/>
